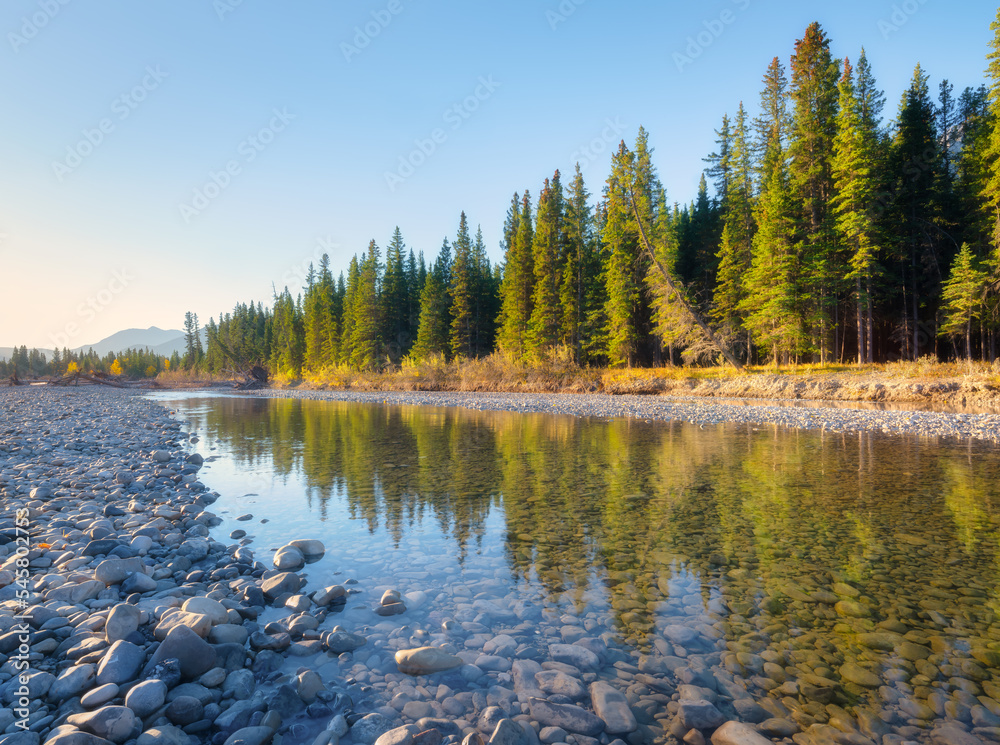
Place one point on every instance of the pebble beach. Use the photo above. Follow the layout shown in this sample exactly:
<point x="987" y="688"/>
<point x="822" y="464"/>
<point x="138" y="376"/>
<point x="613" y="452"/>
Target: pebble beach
<point x="124" y="619"/>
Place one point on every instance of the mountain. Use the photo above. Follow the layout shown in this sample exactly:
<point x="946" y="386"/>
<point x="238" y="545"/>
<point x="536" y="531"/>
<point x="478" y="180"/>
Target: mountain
<point x="161" y="341"/>
<point x="152" y="338"/>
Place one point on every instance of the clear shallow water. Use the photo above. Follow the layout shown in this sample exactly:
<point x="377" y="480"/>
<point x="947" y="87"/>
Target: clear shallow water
<point x="824" y="573"/>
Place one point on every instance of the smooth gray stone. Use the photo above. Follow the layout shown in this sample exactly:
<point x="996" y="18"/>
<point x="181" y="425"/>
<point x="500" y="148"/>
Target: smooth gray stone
<point x="611" y="705"/>
<point x="571" y="718"/>
<point x="699" y="714"/>
<point x="121" y="663"/>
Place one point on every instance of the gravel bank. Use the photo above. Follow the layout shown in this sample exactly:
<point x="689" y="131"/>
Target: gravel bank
<point x="121" y="620"/>
<point x="696" y="411"/>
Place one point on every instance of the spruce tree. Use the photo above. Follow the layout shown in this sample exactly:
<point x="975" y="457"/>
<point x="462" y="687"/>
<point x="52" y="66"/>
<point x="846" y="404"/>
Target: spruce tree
<point x="738" y="229"/>
<point x="962" y="297"/>
<point x="518" y="283"/>
<point x="579" y="268"/>
<point x="547" y="248"/>
<point x="366" y="346"/>
<point x="855" y="179"/>
<point x="345" y="350"/>
<point x="394" y="305"/>
<point x="915" y="162"/>
<point x="991" y="185"/>
<point x="770" y="302"/>
<point x="461" y="334"/>
<point x="619" y="233"/>
<point x="814" y="94"/>
<point x="434" y="329"/>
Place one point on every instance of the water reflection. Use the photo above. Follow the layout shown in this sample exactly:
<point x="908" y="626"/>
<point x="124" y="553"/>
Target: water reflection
<point x="823" y="570"/>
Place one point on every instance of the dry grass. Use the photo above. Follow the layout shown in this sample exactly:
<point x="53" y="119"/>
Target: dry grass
<point x="924" y="381"/>
<point x="189" y="379"/>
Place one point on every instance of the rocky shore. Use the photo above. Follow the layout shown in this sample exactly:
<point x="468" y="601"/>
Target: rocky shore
<point x="124" y="621"/>
<point x="827" y="416"/>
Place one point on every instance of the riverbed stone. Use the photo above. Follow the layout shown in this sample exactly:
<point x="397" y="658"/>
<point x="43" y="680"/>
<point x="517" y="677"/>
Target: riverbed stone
<point x="123" y="621"/>
<point x="611" y="705"/>
<point x="71" y="682"/>
<point x="199" y="623"/>
<point x="369" y="728"/>
<point x="213" y="609"/>
<point x="281" y="584"/>
<point x="426" y="660"/>
<point x="737" y="733"/>
<point x="121" y="663"/>
<point x="699" y="714"/>
<point x="288" y="558"/>
<point x="114" y="723"/>
<point x="146" y="697"/>
<point x="194" y="654"/>
<point x="575" y="655"/>
<point x="570" y="717"/>
<point x="858" y="675"/>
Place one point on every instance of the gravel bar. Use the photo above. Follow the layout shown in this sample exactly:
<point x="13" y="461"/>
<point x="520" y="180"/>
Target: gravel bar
<point x="832" y="418"/>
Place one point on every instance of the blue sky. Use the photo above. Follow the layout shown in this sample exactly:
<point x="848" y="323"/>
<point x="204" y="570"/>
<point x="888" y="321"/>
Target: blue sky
<point x="165" y="156"/>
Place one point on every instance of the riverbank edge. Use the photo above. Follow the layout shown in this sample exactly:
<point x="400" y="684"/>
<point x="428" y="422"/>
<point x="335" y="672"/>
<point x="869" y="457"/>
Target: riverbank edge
<point x="693" y="410"/>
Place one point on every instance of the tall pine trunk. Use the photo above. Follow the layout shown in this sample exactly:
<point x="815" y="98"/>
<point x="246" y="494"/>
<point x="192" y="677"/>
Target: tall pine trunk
<point x="868" y="298"/>
<point x="861" y="322"/>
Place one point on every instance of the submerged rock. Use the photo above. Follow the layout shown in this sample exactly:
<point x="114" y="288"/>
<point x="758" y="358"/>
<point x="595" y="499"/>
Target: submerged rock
<point x="426" y="660"/>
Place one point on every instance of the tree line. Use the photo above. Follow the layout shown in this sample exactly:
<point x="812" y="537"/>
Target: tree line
<point x="134" y="363"/>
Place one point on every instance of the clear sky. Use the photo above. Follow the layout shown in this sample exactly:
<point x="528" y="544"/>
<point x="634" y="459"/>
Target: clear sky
<point x="173" y="155"/>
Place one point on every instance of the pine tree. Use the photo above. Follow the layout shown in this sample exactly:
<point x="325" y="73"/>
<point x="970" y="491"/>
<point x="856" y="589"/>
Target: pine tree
<point x="619" y="233"/>
<point x="721" y="169"/>
<point x="288" y="337"/>
<point x="192" y="341"/>
<point x="394" y="310"/>
<point x="814" y="94"/>
<point x="462" y="288"/>
<point x="738" y="229"/>
<point x="579" y="270"/>
<point x="485" y="296"/>
<point x="434" y="328"/>
<point x="962" y="297"/>
<point x="991" y="185"/>
<point x="318" y="319"/>
<point x="366" y="343"/>
<point x="518" y="283"/>
<point x="345" y="350"/>
<point x="770" y="301"/>
<point x="547" y="248"/>
<point x="855" y="178"/>
<point x="916" y="161"/>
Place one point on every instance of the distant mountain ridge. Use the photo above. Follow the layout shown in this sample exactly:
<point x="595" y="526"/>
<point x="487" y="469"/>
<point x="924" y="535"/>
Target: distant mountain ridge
<point x="161" y="341"/>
